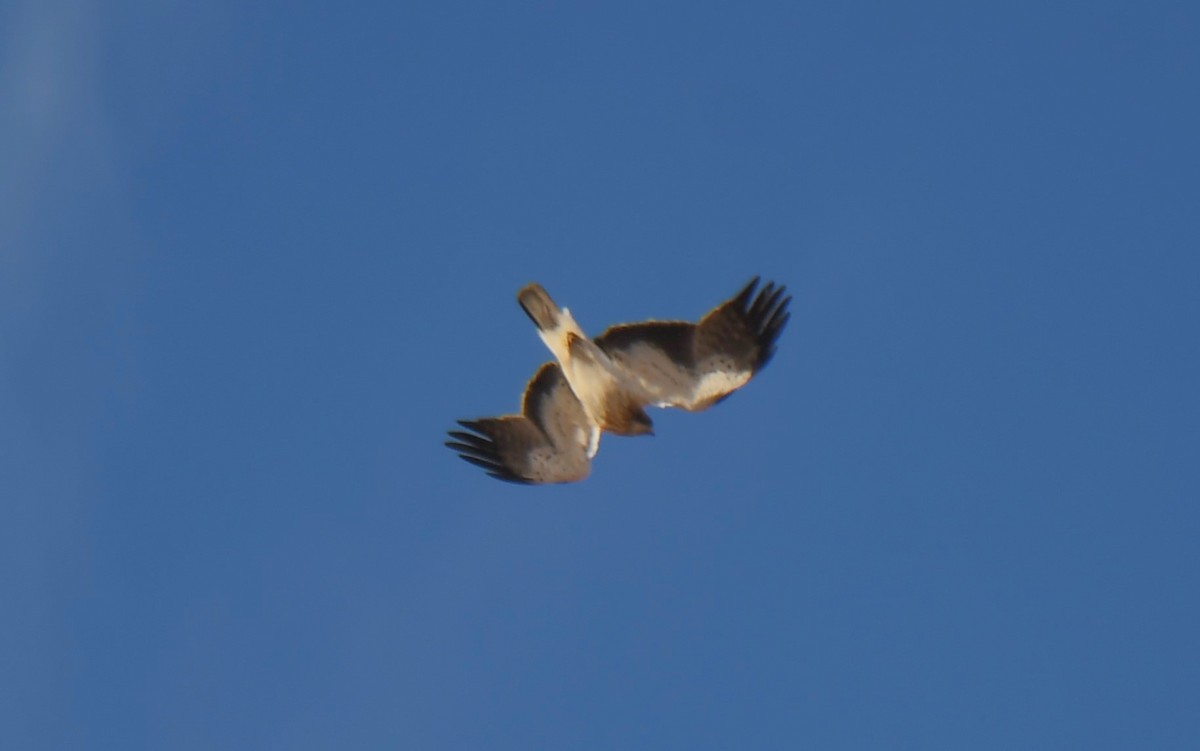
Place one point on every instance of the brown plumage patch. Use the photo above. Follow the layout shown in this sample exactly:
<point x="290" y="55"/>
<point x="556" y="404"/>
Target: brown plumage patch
<point x="676" y="339"/>
<point x="539" y="306"/>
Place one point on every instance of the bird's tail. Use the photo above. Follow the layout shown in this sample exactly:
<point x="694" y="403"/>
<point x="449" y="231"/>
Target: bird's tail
<point x="538" y="306"/>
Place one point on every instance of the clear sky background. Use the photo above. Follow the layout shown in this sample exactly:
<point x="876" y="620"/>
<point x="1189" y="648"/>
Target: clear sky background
<point x="255" y="258"/>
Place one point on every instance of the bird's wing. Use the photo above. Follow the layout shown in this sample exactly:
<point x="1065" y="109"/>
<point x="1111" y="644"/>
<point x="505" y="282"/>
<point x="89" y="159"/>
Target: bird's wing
<point x="548" y="442"/>
<point x="694" y="366"/>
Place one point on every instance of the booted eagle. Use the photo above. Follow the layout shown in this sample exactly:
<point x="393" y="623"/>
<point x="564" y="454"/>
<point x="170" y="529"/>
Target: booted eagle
<point x="605" y="384"/>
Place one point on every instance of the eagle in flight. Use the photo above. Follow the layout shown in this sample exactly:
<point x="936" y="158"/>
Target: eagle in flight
<point x="606" y="383"/>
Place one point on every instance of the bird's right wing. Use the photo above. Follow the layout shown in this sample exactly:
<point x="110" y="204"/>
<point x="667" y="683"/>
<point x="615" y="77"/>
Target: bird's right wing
<point x="551" y="441"/>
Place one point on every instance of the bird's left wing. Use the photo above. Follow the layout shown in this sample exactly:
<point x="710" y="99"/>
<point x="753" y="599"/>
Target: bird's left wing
<point x="694" y="366"/>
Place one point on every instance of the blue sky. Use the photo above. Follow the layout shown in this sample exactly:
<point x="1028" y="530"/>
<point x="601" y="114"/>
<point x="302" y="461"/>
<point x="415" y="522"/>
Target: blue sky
<point x="256" y="258"/>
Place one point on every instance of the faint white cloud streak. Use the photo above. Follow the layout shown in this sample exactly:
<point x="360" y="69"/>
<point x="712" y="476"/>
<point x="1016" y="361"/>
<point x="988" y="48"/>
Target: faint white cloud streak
<point x="60" y="206"/>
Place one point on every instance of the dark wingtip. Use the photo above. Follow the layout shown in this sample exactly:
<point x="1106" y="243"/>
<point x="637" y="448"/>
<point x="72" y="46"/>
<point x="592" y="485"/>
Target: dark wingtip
<point x="478" y="448"/>
<point x="509" y="477"/>
<point x="490" y="466"/>
<point x="742" y="298"/>
<point x="768" y="314"/>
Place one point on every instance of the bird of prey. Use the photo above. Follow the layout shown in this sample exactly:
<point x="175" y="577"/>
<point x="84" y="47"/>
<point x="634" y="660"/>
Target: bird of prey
<point x="605" y="384"/>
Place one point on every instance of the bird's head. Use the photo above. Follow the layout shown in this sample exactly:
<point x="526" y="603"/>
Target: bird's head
<point x="640" y="423"/>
